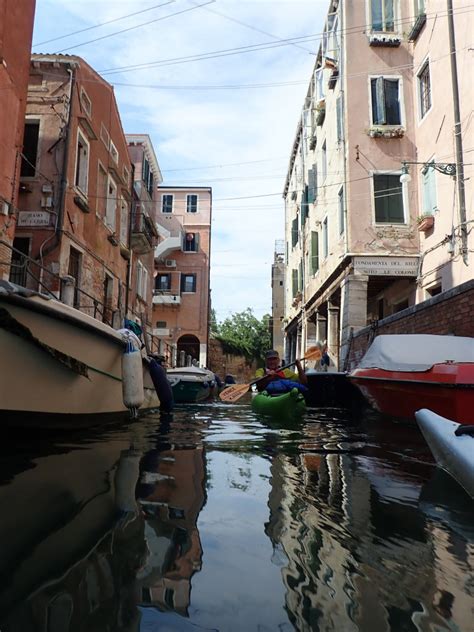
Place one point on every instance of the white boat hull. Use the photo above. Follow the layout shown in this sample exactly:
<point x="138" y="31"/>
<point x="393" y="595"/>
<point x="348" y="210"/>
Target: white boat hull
<point x="33" y="381"/>
<point x="455" y="454"/>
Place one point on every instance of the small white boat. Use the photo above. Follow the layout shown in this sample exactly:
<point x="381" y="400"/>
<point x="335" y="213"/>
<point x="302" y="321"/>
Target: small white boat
<point x="59" y="366"/>
<point x="452" y="446"/>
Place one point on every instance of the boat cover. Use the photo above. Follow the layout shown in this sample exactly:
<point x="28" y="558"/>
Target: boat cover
<point x="416" y="352"/>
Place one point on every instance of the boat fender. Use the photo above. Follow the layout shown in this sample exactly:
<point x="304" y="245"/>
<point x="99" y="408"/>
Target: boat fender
<point x="278" y="387"/>
<point x="132" y="378"/>
<point x="162" y="385"/>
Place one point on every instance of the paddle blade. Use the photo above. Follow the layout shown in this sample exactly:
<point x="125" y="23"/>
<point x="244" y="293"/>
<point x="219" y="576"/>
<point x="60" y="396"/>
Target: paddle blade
<point x="313" y="353"/>
<point x="234" y="392"/>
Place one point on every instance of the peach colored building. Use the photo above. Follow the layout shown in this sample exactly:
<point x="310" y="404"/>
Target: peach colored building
<point x="143" y="233"/>
<point x="352" y="229"/>
<point x="447" y="238"/>
<point x="16" y="29"/>
<point x="182" y="267"/>
<point x="75" y="193"/>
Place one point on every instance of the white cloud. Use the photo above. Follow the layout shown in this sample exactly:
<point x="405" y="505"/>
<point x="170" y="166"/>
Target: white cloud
<point x="191" y="128"/>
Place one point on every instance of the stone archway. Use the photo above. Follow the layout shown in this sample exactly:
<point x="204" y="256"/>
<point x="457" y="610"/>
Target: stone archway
<point x="190" y="345"/>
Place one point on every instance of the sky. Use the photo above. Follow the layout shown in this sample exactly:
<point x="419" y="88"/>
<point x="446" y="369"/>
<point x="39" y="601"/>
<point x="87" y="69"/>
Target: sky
<point x="213" y="122"/>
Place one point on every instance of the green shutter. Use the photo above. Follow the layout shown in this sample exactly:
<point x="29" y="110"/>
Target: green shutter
<point x="294" y="282"/>
<point x="314" y="260"/>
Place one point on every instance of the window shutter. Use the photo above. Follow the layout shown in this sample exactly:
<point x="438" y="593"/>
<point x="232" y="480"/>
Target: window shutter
<point x="314" y="261"/>
<point x="294" y="282"/>
<point x="294" y="232"/>
<point x="380" y="100"/>
<point x="196" y="242"/>
<point x="339" y="120"/>
<point x="311" y="192"/>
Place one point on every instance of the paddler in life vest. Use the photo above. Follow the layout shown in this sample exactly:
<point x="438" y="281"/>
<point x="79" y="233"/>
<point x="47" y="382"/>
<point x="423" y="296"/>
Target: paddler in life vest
<point x="272" y="371"/>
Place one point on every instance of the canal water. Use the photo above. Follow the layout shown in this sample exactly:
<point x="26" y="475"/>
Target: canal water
<point x="216" y="519"/>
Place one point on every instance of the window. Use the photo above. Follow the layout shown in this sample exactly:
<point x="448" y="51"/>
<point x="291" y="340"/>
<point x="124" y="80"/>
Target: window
<point x="330" y="38"/>
<point x="314" y="260"/>
<point x="325" y="238"/>
<point x="142" y="280"/>
<point x="419" y="6"/>
<point x="147" y="176"/>
<point x="111" y="209"/>
<point x="324" y="163"/>
<point x="167" y="203"/>
<point x="429" y="189"/>
<point x="19" y="261"/>
<point x="294" y="232"/>
<point x="86" y="103"/>
<point x="161" y="324"/>
<point x="163" y="283"/>
<point x="388" y="197"/>
<point x="126" y="176"/>
<point x="113" y="152"/>
<point x="104" y="135"/>
<point x="74" y="270"/>
<point x="385" y="95"/>
<point x="191" y="203"/>
<point x="312" y="184"/>
<point x="294" y="282"/>
<point x="424" y="89"/>
<point x="319" y="83"/>
<point x="108" y="294"/>
<point x="101" y="200"/>
<point x="382" y="15"/>
<point x="340" y="205"/>
<point x="191" y="242"/>
<point x="82" y="164"/>
<point x="188" y="283"/>
<point x="123" y="221"/>
<point x="30" y="149"/>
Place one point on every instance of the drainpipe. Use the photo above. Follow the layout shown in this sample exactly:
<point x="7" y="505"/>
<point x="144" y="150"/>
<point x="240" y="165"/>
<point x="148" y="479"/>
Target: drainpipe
<point x="64" y="181"/>
<point x="457" y="134"/>
<point x="129" y="243"/>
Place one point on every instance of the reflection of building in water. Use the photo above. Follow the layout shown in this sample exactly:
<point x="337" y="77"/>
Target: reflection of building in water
<point x="361" y="555"/>
<point x="171" y="494"/>
<point x="71" y="541"/>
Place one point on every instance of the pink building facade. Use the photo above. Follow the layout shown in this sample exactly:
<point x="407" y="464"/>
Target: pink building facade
<point x="354" y="251"/>
<point x="182" y="269"/>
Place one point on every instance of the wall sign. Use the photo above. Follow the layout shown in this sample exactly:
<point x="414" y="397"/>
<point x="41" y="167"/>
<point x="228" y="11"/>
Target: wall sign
<point x="33" y="218"/>
<point x="386" y="266"/>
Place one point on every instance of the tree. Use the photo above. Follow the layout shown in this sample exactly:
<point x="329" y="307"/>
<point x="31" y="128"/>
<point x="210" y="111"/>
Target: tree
<point x="244" y="334"/>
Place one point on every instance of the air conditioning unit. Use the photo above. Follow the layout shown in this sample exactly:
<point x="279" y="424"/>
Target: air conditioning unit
<point x="170" y="263"/>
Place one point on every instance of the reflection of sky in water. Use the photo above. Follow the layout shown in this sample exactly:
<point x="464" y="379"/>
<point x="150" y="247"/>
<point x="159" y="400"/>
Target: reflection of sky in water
<point x="245" y="524"/>
<point x="238" y="586"/>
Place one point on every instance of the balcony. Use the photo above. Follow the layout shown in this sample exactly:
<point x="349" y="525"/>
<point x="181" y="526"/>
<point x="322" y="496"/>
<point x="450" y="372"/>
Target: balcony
<point x="143" y="235"/>
<point x="166" y="297"/>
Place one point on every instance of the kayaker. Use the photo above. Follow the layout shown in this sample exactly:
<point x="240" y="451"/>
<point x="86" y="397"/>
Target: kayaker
<point x="272" y="372"/>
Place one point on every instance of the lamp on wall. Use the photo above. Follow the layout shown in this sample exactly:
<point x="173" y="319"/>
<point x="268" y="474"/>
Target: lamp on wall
<point x="446" y="168"/>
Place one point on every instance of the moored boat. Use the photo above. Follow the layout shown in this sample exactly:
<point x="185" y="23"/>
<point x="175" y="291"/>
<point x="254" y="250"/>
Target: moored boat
<point x="285" y="405"/>
<point x="400" y="374"/>
<point x="190" y="384"/>
<point x="452" y="448"/>
<point x="59" y="366"/>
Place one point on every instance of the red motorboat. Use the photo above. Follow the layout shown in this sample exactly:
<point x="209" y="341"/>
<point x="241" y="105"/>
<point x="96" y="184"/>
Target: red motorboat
<point x="400" y="374"/>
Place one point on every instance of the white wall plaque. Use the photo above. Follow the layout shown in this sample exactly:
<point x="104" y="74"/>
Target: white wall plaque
<point x="33" y="218"/>
<point x="386" y="266"/>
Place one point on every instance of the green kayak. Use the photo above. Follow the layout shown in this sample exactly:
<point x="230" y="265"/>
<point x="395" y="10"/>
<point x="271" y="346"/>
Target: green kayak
<point x="287" y="405"/>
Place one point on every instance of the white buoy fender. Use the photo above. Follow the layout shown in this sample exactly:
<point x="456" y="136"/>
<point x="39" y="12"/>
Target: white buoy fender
<point x="132" y="377"/>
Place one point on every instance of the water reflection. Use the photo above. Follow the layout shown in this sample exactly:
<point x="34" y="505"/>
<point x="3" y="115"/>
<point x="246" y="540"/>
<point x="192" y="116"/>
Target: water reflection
<point x="219" y="520"/>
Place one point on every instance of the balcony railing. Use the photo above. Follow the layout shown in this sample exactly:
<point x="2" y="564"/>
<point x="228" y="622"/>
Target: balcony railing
<point x="144" y="233"/>
<point x="166" y="297"/>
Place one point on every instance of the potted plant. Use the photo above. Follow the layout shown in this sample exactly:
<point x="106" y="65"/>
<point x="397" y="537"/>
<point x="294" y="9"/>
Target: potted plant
<point x="425" y="222"/>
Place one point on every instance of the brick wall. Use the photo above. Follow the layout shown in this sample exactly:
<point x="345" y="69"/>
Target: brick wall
<point x="225" y="363"/>
<point x="449" y="313"/>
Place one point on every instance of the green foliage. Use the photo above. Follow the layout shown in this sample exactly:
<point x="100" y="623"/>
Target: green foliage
<point x="244" y="334"/>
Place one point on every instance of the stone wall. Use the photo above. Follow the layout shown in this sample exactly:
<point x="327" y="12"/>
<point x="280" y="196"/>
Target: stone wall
<point x="227" y="363"/>
<point x="449" y="313"/>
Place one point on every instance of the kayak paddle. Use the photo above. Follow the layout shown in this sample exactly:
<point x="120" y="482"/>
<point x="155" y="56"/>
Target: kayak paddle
<point x="236" y="391"/>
